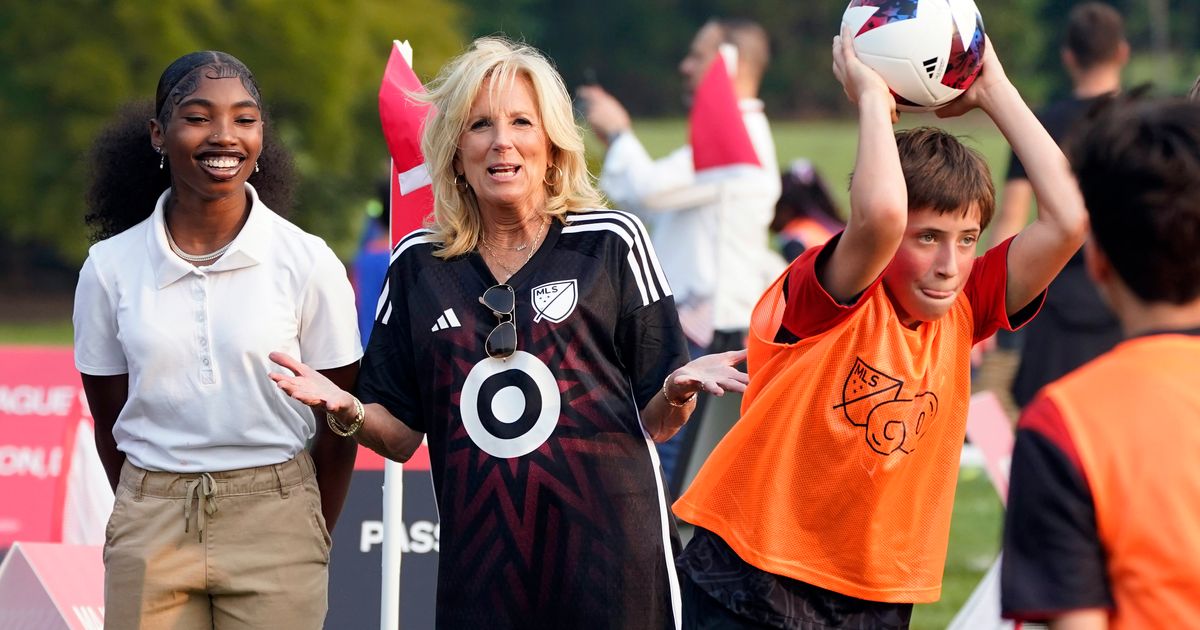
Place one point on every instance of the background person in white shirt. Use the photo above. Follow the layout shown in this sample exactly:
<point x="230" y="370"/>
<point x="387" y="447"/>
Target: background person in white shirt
<point x="221" y="516"/>
<point x="710" y="232"/>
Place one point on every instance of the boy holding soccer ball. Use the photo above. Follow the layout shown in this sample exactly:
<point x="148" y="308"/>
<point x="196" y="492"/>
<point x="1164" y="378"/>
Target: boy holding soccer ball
<point x="828" y="505"/>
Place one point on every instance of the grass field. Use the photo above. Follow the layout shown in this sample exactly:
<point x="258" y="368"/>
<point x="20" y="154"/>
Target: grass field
<point x="55" y="332"/>
<point x="975" y="530"/>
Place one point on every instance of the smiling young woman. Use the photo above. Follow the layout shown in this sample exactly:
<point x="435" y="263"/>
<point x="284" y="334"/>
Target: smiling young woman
<point x="195" y="280"/>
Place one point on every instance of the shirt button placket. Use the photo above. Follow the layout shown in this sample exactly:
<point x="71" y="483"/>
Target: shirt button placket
<point x="200" y="293"/>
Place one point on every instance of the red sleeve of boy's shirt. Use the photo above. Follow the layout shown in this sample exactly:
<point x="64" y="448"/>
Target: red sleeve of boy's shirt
<point x="986" y="289"/>
<point x="810" y="310"/>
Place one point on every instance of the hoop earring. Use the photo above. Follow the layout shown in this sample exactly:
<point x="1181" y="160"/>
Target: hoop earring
<point x="461" y="183"/>
<point x="557" y="178"/>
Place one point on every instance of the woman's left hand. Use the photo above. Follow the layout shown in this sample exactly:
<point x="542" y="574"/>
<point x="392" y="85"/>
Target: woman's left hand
<point x="991" y="77"/>
<point x="713" y="373"/>
<point x="310" y="386"/>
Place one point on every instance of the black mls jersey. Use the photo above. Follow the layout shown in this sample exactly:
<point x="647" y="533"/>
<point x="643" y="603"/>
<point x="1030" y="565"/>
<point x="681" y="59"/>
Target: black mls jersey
<point x="553" y="511"/>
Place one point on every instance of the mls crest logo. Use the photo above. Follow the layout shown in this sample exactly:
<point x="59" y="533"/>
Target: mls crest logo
<point x="555" y="300"/>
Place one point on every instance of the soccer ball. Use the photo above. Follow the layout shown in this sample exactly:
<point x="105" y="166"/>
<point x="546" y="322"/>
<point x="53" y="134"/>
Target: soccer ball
<point x="928" y="51"/>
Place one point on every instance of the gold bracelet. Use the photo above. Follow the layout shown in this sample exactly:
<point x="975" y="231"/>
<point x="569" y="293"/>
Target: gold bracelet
<point x="336" y="425"/>
<point x="668" y="398"/>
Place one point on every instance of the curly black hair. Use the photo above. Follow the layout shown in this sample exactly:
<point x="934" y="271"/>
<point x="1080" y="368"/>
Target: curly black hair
<point x="126" y="179"/>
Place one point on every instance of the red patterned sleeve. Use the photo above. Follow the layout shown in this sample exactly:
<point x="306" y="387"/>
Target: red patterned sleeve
<point x="986" y="291"/>
<point x="1054" y="561"/>
<point x="810" y="310"/>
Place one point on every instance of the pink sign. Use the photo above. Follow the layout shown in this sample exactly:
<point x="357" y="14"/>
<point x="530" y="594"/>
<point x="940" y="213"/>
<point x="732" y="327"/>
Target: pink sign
<point x="990" y="429"/>
<point x="52" y="586"/>
<point x="41" y="404"/>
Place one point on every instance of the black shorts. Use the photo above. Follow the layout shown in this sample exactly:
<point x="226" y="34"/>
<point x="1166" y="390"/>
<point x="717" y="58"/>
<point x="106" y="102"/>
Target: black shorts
<point x="722" y="592"/>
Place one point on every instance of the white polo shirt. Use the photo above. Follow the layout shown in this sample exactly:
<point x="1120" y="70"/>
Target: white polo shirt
<point x="194" y="341"/>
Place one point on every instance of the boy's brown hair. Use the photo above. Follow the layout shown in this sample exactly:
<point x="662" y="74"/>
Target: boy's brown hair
<point x="944" y="175"/>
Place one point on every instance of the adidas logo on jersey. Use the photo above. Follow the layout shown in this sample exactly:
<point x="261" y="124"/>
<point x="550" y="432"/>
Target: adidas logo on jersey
<point x="447" y="320"/>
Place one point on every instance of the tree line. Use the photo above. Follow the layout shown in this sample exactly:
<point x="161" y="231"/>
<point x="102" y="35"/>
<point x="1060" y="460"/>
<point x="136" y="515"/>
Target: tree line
<point x="67" y="65"/>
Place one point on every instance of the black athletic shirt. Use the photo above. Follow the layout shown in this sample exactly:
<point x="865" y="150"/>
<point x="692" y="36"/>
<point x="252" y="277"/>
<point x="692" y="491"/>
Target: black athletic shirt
<point x="552" y="507"/>
<point x="1075" y="325"/>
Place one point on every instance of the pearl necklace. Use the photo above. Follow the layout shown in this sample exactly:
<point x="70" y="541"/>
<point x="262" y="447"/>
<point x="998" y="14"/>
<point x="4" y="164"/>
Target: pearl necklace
<point x="195" y="258"/>
<point x="531" y="245"/>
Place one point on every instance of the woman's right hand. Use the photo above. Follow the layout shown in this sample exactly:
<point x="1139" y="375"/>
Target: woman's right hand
<point x="311" y="387"/>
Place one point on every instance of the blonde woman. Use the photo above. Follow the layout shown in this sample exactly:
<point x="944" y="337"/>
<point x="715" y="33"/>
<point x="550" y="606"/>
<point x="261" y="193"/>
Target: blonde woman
<point x="530" y="335"/>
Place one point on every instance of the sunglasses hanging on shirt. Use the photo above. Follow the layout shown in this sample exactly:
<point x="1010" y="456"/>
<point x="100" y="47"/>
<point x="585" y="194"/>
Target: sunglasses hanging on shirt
<point x="501" y="343"/>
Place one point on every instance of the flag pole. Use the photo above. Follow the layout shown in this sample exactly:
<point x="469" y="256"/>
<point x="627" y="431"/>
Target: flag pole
<point x="393" y="521"/>
<point x="393" y="509"/>
<point x="393" y="479"/>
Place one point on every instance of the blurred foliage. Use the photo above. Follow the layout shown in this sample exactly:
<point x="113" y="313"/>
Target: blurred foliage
<point x="634" y="46"/>
<point x="67" y="65"/>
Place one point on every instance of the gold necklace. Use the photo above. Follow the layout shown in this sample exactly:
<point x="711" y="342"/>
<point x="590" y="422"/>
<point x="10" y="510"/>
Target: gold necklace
<point x="532" y="246"/>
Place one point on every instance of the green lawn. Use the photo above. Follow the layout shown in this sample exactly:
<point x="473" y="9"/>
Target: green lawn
<point x="50" y="333"/>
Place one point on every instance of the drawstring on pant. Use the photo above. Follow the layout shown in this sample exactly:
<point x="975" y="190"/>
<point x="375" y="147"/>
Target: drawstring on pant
<point x="207" y="503"/>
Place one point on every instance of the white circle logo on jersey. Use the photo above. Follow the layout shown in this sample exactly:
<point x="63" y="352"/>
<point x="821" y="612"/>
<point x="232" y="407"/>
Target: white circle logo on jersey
<point x="510" y="406"/>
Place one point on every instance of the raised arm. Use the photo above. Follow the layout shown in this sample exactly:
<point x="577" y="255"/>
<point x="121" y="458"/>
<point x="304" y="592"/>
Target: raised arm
<point x="878" y="196"/>
<point x="1043" y="247"/>
<point x="639" y="183"/>
<point x="380" y="431"/>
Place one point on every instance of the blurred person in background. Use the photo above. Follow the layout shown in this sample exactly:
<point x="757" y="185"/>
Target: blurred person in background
<point x="1075" y="325"/>
<point x="369" y="267"/>
<point x="711" y="235"/>
<point x="532" y="338"/>
<point x="1103" y="521"/>
<point x="222" y="517"/>
<point x="805" y="215"/>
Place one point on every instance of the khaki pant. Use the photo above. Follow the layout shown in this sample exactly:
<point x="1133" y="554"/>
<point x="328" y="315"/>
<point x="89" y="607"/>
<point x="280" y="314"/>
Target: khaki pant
<point x="239" y="549"/>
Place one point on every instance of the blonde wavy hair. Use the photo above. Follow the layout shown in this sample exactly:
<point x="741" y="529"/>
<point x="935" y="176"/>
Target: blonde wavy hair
<point x="456" y="218"/>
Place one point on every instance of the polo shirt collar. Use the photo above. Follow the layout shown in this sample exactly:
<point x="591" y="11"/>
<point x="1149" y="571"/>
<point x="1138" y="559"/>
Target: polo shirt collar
<point x="250" y="247"/>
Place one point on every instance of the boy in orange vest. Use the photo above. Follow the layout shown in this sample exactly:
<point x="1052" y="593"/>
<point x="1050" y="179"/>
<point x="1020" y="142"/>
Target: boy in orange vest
<point x="828" y="504"/>
<point x="1103" y="527"/>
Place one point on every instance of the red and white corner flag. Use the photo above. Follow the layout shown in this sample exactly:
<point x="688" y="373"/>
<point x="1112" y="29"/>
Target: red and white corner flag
<point x="402" y="118"/>
<point x="717" y="132"/>
<point x="411" y="202"/>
